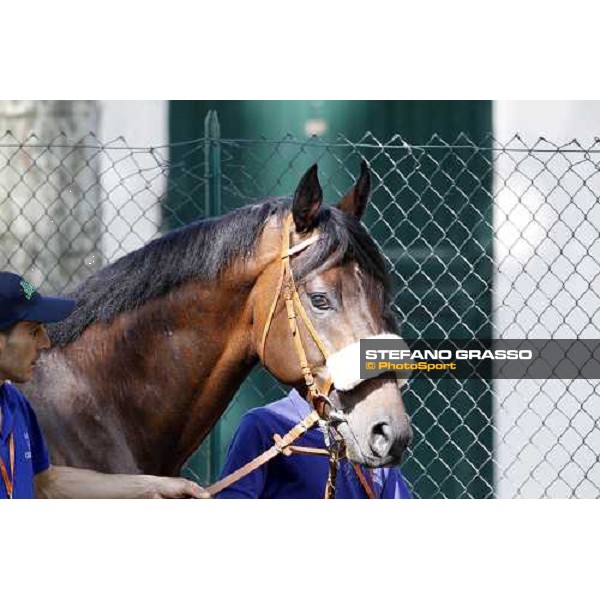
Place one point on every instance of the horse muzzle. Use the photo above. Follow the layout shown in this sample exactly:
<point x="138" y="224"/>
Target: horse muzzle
<point x="373" y="422"/>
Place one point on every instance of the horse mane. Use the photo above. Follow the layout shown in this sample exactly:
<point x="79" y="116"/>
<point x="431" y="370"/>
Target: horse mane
<point x="202" y="251"/>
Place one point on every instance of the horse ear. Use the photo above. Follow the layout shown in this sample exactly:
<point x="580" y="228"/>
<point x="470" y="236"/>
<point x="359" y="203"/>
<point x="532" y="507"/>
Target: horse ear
<point x="355" y="201"/>
<point x="307" y="200"/>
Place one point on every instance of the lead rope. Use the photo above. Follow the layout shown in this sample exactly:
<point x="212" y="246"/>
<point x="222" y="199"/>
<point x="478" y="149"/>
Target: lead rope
<point x="363" y="480"/>
<point x="281" y="445"/>
<point x="334" y="459"/>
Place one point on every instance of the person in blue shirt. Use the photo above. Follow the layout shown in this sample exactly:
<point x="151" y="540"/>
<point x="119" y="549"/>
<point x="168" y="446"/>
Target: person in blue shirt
<point x="25" y="468"/>
<point x="298" y="475"/>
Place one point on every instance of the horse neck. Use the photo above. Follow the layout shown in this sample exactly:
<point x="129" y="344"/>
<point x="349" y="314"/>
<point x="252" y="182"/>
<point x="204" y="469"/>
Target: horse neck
<point x="147" y="387"/>
<point x="210" y="357"/>
<point x="228" y="349"/>
<point x="153" y="382"/>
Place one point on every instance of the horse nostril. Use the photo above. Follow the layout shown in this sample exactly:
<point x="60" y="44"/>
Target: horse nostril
<point x="381" y="439"/>
<point x="384" y="441"/>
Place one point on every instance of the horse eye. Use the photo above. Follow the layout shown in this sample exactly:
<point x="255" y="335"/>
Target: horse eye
<point x="320" y="301"/>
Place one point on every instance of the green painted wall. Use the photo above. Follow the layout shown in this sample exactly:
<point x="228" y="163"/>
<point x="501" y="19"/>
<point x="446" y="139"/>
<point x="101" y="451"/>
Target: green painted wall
<point x="441" y="250"/>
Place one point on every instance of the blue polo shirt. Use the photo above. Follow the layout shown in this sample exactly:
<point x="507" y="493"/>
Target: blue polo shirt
<point x="298" y="475"/>
<point x="31" y="453"/>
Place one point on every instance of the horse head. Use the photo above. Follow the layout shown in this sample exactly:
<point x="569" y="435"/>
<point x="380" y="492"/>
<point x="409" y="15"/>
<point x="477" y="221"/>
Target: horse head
<point x="343" y="291"/>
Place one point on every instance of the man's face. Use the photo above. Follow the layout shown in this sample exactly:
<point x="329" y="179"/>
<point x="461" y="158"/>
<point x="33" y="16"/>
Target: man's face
<point x="20" y="350"/>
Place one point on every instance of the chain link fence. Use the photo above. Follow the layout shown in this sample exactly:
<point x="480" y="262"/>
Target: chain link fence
<point x="481" y="239"/>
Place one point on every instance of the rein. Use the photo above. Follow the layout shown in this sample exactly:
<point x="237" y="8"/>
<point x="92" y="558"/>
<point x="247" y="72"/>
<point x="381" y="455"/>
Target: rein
<point x="323" y="414"/>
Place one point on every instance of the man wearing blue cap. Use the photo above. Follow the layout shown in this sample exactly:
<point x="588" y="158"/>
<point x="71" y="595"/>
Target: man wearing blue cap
<point x="25" y="469"/>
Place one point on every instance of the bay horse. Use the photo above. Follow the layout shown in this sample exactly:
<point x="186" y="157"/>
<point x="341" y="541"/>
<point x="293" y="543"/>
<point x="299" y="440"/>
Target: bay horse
<point x="161" y="339"/>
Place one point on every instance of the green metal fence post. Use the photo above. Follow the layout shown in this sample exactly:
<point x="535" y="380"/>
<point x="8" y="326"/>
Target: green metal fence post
<point x="212" y="164"/>
<point x="212" y="208"/>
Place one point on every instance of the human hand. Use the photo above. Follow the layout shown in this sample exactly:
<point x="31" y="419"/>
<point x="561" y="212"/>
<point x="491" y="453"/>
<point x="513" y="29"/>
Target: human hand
<point x="175" y="487"/>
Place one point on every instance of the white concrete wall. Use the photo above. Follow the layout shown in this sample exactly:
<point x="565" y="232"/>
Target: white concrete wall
<point x="50" y="229"/>
<point x="561" y="121"/>
<point x="547" y="284"/>
<point x="140" y="122"/>
<point x="133" y="180"/>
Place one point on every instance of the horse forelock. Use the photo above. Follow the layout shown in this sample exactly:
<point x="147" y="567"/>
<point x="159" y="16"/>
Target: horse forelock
<point x="203" y="251"/>
<point x="344" y="239"/>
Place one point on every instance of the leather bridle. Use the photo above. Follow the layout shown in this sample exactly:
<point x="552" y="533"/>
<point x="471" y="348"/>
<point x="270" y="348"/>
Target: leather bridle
<point x="324" y="413"/>
<point x="319" y="398"/>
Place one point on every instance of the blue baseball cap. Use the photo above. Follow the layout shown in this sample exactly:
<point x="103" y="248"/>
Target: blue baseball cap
<point x="19" y="301"/>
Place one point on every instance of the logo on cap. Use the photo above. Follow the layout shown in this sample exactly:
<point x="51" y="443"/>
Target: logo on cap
<point x="28" y="289"/>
